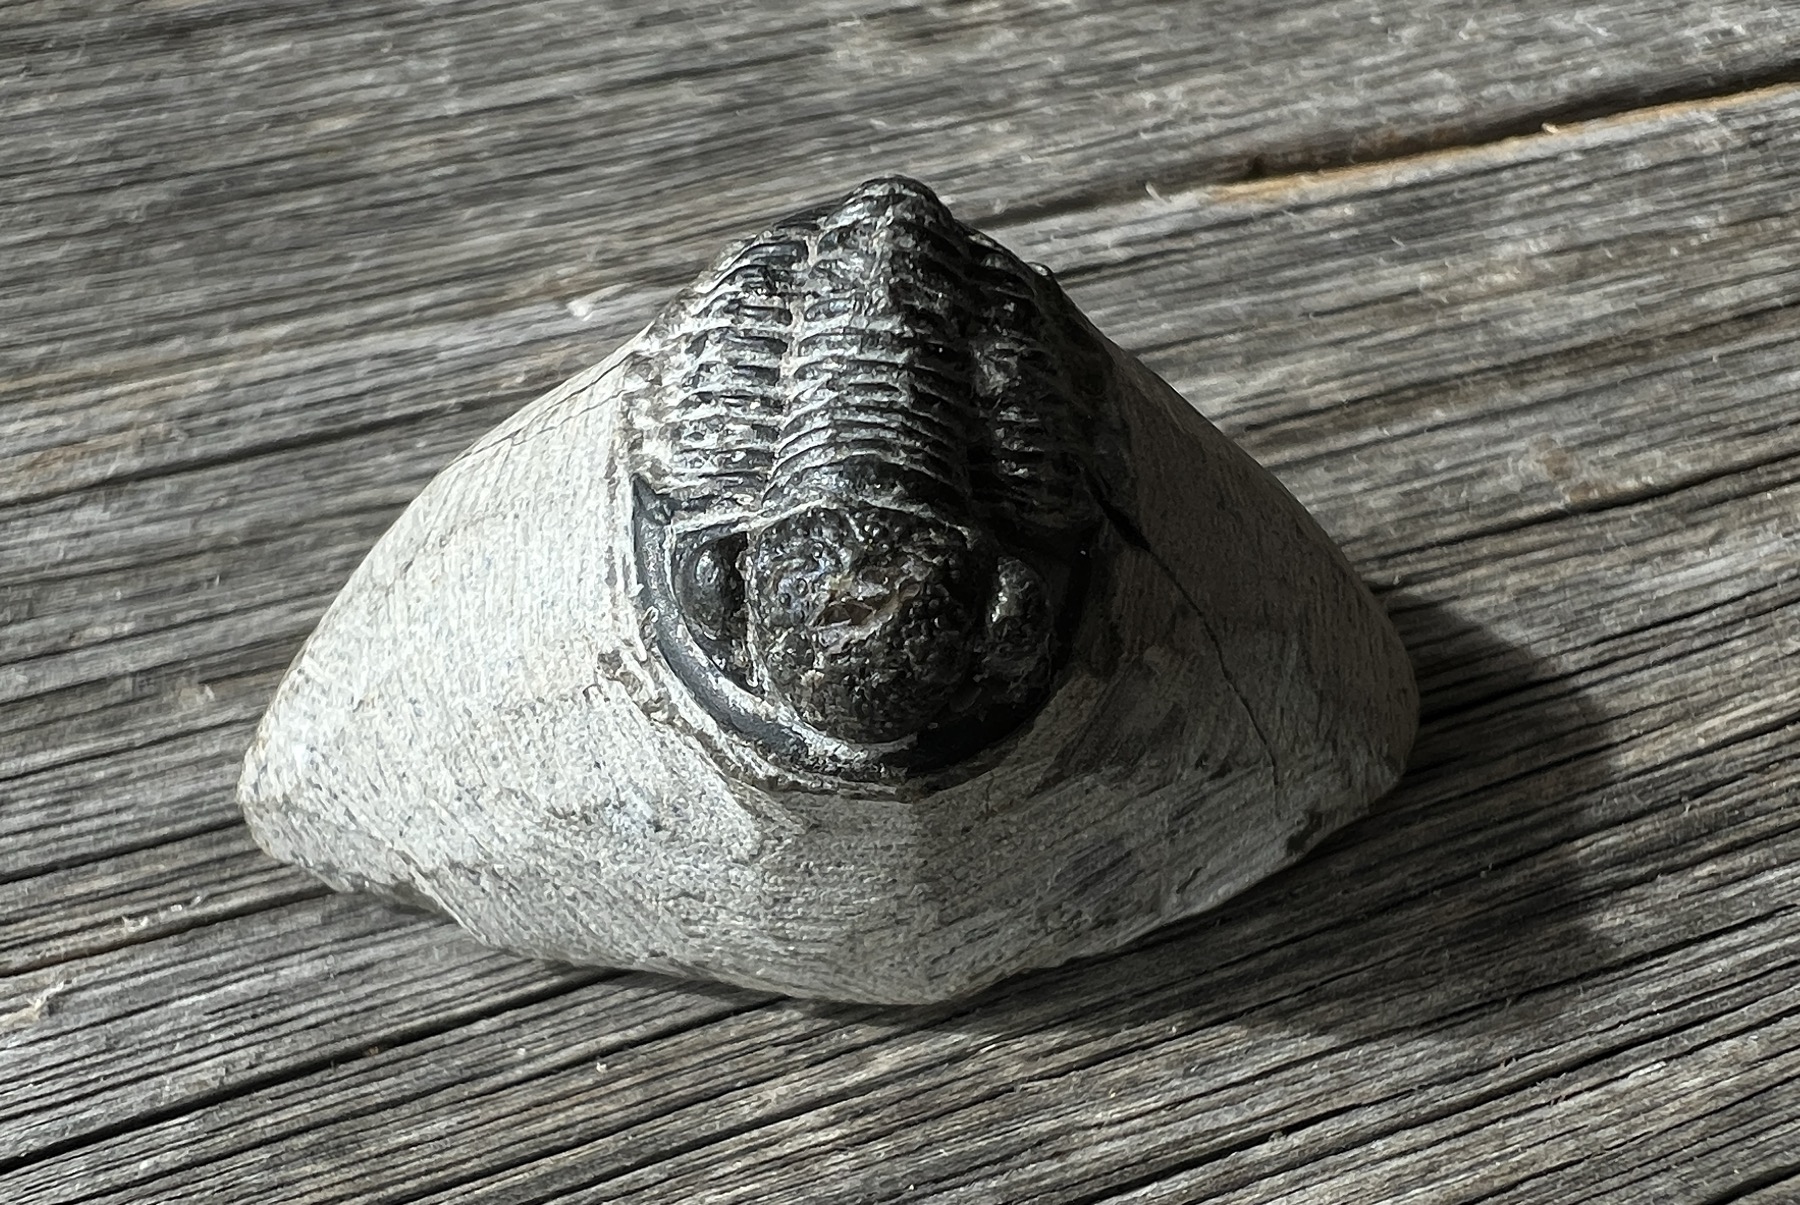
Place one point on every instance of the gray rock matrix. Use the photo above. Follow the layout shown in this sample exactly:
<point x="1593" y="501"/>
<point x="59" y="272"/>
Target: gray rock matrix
<point x="868" y="627"/>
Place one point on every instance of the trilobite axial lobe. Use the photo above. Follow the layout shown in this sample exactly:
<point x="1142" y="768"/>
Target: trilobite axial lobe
<point x="865" y="485"/>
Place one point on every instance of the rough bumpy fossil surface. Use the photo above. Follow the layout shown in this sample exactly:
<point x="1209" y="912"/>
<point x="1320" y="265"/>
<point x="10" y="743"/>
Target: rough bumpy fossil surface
<point x="868" y="627"/>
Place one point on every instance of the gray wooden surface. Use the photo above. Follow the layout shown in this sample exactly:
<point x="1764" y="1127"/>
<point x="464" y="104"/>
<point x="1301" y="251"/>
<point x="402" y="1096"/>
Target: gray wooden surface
<point x="1502" y="292"/>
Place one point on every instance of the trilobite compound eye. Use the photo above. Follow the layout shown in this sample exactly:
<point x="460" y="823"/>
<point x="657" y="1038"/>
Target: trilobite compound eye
<point x="865" y="620"/>
<point x="1021" y="631"/>
<point x="709" y="591"/>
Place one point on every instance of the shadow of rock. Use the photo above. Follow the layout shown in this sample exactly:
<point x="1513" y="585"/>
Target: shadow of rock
<point x="1456" y="898"/>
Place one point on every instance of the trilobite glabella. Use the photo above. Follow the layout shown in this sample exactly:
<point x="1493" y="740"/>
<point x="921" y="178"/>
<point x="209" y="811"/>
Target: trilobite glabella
<point x="867" y="627"/>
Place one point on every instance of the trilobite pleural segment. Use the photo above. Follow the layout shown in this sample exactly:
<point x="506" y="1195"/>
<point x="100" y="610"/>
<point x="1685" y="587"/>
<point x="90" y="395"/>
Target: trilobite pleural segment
<point x="867" y="488"/>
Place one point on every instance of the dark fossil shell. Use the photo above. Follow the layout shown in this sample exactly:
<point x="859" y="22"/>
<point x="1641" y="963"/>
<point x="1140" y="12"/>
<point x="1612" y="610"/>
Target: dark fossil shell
<point x="868" y="483"/>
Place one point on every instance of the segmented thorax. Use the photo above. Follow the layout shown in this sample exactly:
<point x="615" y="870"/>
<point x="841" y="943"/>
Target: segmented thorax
<point x="866" y="485"/>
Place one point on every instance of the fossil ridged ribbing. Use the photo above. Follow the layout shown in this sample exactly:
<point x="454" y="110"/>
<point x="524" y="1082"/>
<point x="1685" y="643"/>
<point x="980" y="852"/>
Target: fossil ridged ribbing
<point x="877" y="328"/>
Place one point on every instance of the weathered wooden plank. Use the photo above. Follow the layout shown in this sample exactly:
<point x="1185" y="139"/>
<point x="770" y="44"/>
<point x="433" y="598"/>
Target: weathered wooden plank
<point x="170" y="789"/>
<point x="1706" y="1156"/>
<point x="599" y="1097"/>
<point x="1123" y="1141"/>
<point x="205" y="690"/>
<point x="228" y="176"/>
<point x="1542" y="391"/>
<point x="135" y="897"/>
<point x="1322" y="317"/>
<point x="311" y="1127"/>
<point x="1535" y="1154"/>
<point x="171" y="1023"/>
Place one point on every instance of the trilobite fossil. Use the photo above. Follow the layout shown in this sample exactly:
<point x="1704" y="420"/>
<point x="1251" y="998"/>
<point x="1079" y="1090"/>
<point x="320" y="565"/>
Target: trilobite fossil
<point x="867" y="627"/>
<point x="868" y="485"/>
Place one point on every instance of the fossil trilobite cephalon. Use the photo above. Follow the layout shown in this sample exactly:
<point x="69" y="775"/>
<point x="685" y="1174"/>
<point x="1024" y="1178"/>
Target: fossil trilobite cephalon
<point x="868" y="627"/>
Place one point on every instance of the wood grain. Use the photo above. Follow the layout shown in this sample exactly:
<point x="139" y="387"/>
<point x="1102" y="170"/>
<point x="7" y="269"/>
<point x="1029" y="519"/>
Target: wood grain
<point x="266" y="270"/>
